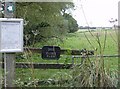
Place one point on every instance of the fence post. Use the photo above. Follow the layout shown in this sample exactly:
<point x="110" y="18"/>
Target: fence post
<point x="0" y="70"/>
<point x="1" y="75"/>
<point x="9" y="58"/>
<point x="118" y="44"/>
<point x="72" y="60"/>
<point x="9" y="68"/>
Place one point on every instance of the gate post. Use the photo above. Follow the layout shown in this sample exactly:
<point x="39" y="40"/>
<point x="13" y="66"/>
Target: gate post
<point x="9" y="58"/>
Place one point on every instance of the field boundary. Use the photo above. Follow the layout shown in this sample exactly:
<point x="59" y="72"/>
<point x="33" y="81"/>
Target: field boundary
<point x="74" y="53"/>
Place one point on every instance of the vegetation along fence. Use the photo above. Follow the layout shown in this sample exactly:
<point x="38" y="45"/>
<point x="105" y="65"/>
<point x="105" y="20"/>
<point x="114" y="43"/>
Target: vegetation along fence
<point x="76" y="54"/>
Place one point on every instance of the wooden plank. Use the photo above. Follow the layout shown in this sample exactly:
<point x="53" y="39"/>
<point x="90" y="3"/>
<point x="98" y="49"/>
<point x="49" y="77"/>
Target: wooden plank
<point x="63" y="51"/>
<point x="52" y="66"/>
<point x="43" y="66"/>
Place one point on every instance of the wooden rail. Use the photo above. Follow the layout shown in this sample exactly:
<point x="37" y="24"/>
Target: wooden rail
<point x="75" y="54"/>
<point x="41" y="66"/>
<point x="63" y="51"/>
<point x="53" y="66"/>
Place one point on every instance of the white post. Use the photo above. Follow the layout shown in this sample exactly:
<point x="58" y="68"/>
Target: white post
<point x="1" y="70"/>
<point x="118" y="44"/>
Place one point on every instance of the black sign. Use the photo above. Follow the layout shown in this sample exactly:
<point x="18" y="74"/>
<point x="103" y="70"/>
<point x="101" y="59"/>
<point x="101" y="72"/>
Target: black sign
<point x="51" y="52"/>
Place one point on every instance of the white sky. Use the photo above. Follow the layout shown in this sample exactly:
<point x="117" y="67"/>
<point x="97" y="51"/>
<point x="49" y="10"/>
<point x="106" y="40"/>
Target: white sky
<point x="97" y="12"/>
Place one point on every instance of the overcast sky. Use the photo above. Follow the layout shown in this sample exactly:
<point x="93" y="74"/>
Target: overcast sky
<point x="95" y="12"/>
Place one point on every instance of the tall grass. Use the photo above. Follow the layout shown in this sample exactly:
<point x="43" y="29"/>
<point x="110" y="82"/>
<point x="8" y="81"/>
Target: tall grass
<point x="87" y="72"/>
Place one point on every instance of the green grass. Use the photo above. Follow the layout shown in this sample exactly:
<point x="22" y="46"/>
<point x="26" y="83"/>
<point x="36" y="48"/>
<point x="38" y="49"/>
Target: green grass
<point x="76" y="41"/>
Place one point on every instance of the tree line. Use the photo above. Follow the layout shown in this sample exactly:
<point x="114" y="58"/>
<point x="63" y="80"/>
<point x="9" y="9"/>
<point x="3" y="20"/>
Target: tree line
<point x="45" y="20"/>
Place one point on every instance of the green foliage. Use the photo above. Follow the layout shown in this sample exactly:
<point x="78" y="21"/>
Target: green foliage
<point x="43" y="20"/>
<point x="72" y="23"/>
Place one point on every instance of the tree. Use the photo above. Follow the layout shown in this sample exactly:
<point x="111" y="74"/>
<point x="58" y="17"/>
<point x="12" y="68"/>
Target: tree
<point x="43" y="20"/>
<point x="72" y="23"/>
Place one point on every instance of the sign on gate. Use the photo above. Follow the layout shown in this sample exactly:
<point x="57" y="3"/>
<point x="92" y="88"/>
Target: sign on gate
<point x="51" y="52"/>
<point x="11" y="35"/>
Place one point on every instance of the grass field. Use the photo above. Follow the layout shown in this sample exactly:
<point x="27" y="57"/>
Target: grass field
<point x="103" y="41"/>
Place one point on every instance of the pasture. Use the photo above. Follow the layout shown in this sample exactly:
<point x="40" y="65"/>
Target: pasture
<point x="103" y="42"/>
